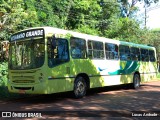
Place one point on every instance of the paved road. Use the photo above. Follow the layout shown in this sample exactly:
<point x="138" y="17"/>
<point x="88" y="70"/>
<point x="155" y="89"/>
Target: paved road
<point x="120" y="101"/>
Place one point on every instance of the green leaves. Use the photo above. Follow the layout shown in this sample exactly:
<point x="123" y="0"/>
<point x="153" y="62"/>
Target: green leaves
<point x="15" y="18"/>
<point x="3" y="73"/>
<point x="96" y="17"/>
<point x="151" y="37"/>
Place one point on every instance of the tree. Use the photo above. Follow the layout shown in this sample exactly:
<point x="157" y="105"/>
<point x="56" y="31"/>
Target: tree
<point x="92" y="16"/>
<point x="14" y="18"/>
<point x="61" y="11"/>
<point x="83" y="13"/>
<point x="124" y="29"/>
<point x="151" y="37"/>
<point x="4" y="8"/>
<point x="109" y="15"/>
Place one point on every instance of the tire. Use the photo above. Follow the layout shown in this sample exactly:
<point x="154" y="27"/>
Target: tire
<point x="136" y="81"/>
<point x="80" y="87"/>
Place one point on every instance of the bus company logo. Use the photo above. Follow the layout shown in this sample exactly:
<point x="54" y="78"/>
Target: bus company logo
<point x="22" y="114"/>
<point x="6" y="114"/>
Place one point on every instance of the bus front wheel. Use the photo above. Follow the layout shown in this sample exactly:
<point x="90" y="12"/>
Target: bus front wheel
<point x="80" y="87"/>
<point x="136" y="81"/>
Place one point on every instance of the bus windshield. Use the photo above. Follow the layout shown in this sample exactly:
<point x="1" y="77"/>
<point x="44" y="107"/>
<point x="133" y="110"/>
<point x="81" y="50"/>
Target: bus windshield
<point x="27" y="54"/>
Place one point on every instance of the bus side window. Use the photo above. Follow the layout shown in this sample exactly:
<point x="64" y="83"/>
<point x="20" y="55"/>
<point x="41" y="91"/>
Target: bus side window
<point x="98" y="50"/>
<point x="90" y="49"/>
<point x="111" y="51"/>
<point x="135" y="53"/>
<point x="144" y="55"/>
<point x="152" y="56"/>
<point x="124" y="52"/>
<point x="95" y="50"/>
<point x="78" y="48"/>
<point x="62" y="50"/>
<point x="57" y="51"/>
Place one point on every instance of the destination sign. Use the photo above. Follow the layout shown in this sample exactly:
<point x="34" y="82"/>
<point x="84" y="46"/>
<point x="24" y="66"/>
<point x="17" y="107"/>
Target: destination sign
<point x="27" y="34"/>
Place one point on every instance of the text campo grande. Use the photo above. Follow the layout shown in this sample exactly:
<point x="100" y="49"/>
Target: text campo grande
<point x="27" y="34"/>
<point x="28" y="115"/>
<point x="144" y="114"/>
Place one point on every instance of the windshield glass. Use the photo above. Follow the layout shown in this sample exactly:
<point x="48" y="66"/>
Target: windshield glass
<point x="27" y="54"/>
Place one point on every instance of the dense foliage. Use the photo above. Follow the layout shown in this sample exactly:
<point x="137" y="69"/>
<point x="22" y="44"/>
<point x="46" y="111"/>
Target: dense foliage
<point x="108" y="18"/>
<point x="3" y="79"/>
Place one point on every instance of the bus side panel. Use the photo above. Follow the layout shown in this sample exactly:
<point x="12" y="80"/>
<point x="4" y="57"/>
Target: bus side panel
<point x="148" y="71"/>
<point x="85" y="66"/>
<point x="117" y="79"/>
<point x="57" y="78"/>
<point x="102" y="77"/>
<point x="112" y="72"/>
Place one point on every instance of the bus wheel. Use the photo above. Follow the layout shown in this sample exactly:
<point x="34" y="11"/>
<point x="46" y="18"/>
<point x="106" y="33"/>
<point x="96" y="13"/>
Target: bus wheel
<point x="136" y="81"/>
<point x="80" y="87"/>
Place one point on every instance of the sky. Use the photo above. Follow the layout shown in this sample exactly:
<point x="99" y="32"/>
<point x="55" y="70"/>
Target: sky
<point x="153" y="20"/>
<point x="153" y="15"/>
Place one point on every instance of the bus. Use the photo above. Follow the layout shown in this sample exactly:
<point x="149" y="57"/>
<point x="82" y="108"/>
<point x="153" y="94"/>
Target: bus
<point x="46" y="60"/>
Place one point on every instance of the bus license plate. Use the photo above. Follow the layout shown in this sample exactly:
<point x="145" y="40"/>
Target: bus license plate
<point x="22" y="91"/>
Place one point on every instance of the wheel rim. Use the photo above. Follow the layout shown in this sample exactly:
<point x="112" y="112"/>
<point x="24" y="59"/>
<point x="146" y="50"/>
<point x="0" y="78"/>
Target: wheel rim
<point x="137" y="81"/>
<point x="80" y="88"/>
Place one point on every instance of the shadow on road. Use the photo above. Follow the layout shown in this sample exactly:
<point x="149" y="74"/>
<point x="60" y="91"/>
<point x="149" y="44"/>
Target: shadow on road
<point x="114" y="98"/>
<point x="50" y="98"/>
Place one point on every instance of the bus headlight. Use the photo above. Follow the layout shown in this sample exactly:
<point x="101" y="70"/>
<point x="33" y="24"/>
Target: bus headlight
<point x="41" y="78"/>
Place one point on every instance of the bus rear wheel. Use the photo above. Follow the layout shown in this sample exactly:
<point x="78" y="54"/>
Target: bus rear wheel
<point x="80" y="87"/>
<point x="136" y="81"/>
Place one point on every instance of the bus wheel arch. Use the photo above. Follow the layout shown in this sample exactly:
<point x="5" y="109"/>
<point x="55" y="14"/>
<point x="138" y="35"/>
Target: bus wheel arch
<point x="81" y="84"/>
<point x="136" y="80"/>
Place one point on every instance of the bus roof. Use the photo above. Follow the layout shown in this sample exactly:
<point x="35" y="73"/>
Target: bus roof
<point x="53" y="30"/>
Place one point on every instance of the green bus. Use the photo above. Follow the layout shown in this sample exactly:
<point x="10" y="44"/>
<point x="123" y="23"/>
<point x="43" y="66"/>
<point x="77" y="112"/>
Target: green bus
<point x="46" y="60"/>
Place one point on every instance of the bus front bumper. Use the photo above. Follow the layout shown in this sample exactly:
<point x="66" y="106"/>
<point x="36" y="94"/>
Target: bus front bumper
<point x="28" y="89"/>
